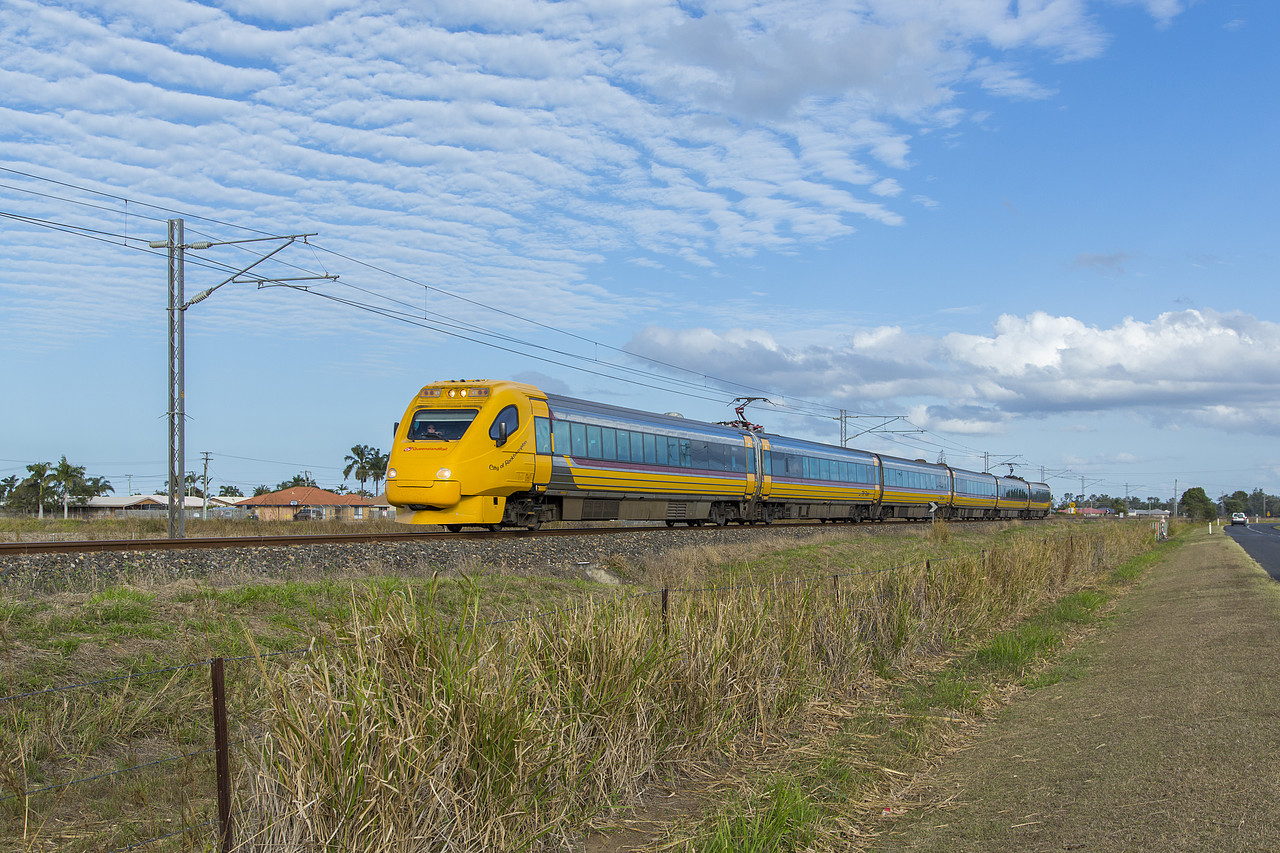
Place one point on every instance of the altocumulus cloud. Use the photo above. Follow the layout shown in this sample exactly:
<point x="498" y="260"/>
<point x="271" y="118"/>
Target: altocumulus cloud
<point x="513" y="145"/>
<point x="1198" y="366"/>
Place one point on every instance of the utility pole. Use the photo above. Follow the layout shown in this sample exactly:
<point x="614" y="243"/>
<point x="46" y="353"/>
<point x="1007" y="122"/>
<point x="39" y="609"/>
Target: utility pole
<point x="204" y="513"/>
<point x="178" y="305"/>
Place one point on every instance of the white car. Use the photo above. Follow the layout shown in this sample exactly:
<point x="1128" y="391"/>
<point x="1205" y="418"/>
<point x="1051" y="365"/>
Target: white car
<point x="1239" y="518"/>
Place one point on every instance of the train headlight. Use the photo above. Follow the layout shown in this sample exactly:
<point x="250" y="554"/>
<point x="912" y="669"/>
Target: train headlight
<point x="391" y="474"/>
<point x="444" y="474"/>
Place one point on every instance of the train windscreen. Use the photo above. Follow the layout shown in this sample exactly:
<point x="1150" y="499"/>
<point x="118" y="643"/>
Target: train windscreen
<point x="440" y="424"/>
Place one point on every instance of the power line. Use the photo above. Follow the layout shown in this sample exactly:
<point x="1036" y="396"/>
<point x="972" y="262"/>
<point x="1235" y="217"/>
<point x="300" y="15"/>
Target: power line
<point x="447" y="325"/>
<point x="795" y="404"/>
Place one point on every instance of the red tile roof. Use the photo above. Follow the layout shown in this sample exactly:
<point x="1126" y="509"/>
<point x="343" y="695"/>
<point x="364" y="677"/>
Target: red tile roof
<point x="306" y="496"/>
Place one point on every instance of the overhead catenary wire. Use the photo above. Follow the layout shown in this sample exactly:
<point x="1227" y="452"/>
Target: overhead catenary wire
<point x="446" y="325"/>
<point x="795" y="404"/>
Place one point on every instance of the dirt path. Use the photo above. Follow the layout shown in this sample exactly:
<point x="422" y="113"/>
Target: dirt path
<point x="1165" y="738"/>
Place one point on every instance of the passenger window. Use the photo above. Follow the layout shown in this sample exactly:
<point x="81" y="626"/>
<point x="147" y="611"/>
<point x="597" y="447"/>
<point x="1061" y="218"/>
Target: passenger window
<point x="593" y="443"/>
<point x="661" y="442"/>
<point x="624" y="445"/>
<point x="609" y="443"/>
<point x="651" y="449"/>
<point x="578" y="434"/>
<point x="542" y="435"/>
<point x="507" y="416"/>
<point x="560" y="437"/>
<point x="637" y="447"/>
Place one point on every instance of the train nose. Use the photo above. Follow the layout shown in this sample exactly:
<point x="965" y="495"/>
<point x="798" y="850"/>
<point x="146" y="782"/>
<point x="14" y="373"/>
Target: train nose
<point x="439" y="494"/>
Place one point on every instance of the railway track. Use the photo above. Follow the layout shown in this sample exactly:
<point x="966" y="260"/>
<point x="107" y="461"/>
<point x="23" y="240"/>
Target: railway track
<point x="292" y="540"/>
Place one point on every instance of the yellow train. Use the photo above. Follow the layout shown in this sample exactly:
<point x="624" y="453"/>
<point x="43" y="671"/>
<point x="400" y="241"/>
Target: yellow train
<point x="505" y="454"/>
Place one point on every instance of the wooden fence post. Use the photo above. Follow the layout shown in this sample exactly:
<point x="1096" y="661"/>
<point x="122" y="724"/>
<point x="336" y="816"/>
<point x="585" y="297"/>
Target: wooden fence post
<point x="222" y="749"/>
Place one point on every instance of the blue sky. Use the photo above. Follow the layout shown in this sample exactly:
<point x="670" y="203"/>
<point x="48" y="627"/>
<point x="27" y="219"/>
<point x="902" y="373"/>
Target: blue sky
<point x="1044" y="231"/>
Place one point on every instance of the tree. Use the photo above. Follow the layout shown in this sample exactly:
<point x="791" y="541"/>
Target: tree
<point x="7" y="487"/>
<point x="192" y="482"/>
<point x="98" y="486"/>
<point x="1235" y="502"/>
<point x="264" y="489"/>
<point x="1196" y="504"/>
<point x="40" y="480"/>
<point x="303" y="479"/>
<point x="230" y="492"/>
<point x="379" y="472"/>
<point x="360" y="464"/>
<point x="68" y="481"/>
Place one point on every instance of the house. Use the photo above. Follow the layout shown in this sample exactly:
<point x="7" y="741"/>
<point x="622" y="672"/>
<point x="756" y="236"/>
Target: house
<point x="121" y="506"/>
<point x="285" y="504"/>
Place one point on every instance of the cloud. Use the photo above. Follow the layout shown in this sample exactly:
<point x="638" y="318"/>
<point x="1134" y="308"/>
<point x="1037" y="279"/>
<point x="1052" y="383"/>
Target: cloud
<point x="1194" y="367"/>
<point x="508" y="148"/>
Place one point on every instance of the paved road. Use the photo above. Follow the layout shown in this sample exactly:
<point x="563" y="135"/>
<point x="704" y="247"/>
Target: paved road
<point x="1260" y="541"/>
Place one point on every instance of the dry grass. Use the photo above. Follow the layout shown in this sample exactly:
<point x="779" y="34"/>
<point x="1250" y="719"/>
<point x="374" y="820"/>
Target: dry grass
<point x="414" y="730"/>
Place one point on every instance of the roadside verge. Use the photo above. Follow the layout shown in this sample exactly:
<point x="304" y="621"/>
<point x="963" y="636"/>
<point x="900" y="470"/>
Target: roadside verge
<point x="1163" y="734"/>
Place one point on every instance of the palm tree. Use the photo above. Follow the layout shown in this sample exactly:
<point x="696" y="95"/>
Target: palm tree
<point x="68" y="478"/>
<point x="379" y="470"/>
<point x="360" y="462"/>
<point x="98" y="486"/>
<point x="7" y="486"/>
<point x="41" y="477"/>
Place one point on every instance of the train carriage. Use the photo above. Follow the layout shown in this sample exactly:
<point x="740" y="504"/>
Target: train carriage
<point x="1014" y="498"/>
<point x="974" y="494"/>
<point x="812" y="480"/>
<point x="914" y="488"/>
<point x="614" y="463"/>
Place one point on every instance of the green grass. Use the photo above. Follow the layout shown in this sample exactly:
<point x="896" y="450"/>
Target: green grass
<point x="781" y="819"/>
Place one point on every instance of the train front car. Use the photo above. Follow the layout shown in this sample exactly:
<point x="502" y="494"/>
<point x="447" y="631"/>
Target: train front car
<point x="464" y="453"/>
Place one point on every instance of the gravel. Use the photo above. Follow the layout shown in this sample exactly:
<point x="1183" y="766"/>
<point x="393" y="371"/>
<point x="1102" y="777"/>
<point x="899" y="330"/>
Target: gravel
<point x="589" y="556"/>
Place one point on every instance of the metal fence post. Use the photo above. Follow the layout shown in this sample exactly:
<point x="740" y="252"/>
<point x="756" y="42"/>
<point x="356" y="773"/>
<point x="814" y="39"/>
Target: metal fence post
<point x="222" y="749"/>
<point x="665" y="628"/>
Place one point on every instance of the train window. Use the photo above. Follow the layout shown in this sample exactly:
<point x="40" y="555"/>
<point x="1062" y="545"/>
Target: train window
<point x="686" y="453"/>
<point x="578" y="434"/>
<point x="651" y="449"/>
<point x="767" y="458"/>
<point x="593" y="442"/>
<point x="637" y="447"/>
<point x="624" y="445"/>
<point x="661" y="446"/>
<point x="609" y="443"/>
<point x="542" y="435"/>
<point x="508" y="416"/>
<point x="751" y="459"/>
<point x="440" y="424"/>
<point x="701" y="455"/>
